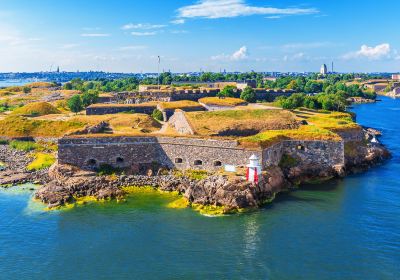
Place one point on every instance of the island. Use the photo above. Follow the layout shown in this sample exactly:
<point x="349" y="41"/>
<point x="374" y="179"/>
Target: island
<point x="223" y="147"/>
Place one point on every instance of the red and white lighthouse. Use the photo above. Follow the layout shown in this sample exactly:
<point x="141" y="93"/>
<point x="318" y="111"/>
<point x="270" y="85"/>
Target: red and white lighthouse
<point x="254" y="170"/>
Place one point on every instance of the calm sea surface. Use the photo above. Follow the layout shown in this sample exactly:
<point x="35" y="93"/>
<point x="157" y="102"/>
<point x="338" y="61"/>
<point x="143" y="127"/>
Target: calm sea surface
<point x="347" y="229"/>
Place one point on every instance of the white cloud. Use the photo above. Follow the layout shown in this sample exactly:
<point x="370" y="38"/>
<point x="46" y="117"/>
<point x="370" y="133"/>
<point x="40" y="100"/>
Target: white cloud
<point x="296" y="56"/>
<point x="373" y="53"/>
<point x="152" y="33"/>
<point x="240" y="54"/>
<point x="178" y="21"/>
<point x="132" y="48"/>
<point x="143" y="26"/>
<point x="95" y="35"/>
<point x="179" y="31"/>
<point x="234" y="8"/>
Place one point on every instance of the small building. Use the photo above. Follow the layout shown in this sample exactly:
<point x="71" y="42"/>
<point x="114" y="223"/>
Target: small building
<point x="396" y="77"/>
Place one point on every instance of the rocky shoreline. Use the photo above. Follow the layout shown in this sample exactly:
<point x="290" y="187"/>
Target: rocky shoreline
<point x="15" y="168"/>
<point x="63" y="184"/>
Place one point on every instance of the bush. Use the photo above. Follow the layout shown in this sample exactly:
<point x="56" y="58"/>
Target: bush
<point x="25" y="146"/>
<point x="248" y="95"/>
<point x="26" y="89"/>
<point x="106" y="169"/>
<point x="89" y="98"/>
<point x="228" y="91"/>
<point x="157" y="115"/>
<point x="75" y="103"/>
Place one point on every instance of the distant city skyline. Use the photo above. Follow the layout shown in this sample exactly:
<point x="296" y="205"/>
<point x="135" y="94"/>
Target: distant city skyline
<point x="194" y="35"/>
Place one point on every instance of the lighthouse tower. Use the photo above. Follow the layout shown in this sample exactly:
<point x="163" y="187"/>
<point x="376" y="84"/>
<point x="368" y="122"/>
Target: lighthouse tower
<point x="254" y="170"/>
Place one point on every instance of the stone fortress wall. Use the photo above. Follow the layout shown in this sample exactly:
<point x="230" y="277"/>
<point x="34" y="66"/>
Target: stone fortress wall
<point x="139" y="153"/>
<point x="142" y="152"/>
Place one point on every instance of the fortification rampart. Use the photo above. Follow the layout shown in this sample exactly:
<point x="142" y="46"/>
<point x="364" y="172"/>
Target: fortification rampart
<point x="139" y="153"/>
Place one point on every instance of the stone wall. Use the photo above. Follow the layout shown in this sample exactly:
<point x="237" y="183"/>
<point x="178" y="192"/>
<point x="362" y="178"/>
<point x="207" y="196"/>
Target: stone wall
<point x="353" y="135"/>
<point x="180" y="123"/>
<point x="325" y="153"/>
<point x="112" y="109"/>
<point x="138" y="153"/>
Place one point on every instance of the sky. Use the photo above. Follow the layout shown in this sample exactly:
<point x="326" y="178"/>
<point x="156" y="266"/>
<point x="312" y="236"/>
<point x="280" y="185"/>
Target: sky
<point x="199" y="35"/>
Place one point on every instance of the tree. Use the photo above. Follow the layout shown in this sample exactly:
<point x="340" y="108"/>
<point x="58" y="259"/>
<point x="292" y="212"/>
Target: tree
<point x="26" y="89"/>
<point x="292" y="85"/>
<point x="75" y="103"/>
<point x="68" y="86"/>
<point x="228" y="91"/>
<point x="248" y="95"/>
<point x="89" y="97"/>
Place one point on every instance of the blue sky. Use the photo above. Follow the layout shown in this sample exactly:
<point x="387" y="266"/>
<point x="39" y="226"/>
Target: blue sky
<point x="211" y="35"/>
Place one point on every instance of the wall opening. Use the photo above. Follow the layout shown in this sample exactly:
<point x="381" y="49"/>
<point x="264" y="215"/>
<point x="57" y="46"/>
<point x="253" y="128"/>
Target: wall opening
<point x="91" y="162"/>
<point x="217" y="163"/>
<point x="198" y="162"/>
<point x="300" y="147"/>
<point x="178" y="160"/>
<point x="119" y="160"/>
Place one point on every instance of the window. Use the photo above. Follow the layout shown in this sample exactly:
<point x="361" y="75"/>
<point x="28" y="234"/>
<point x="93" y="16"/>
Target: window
<point x="300" y="147"/>
<point x="198" y="162"/>
<point x="178" y="160"/>
<point x="119" y="160"/>
<point x="91" y="162"/>
<point x="217" y="163"/>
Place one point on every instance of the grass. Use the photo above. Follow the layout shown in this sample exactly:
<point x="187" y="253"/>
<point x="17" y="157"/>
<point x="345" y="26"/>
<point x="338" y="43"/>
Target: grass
<point x="183" y="104"/>
<point x="227" y="101"/>
<point x="18" y="126"/>
<point x="321" y="126"/>
<point x="41" y="161"/>
<point x="25" y="146"/>
<point x="36" y="109"/>
<point x="241" y="122"/>
<point x="192" y="174"/>
<point x="122" y="123"/>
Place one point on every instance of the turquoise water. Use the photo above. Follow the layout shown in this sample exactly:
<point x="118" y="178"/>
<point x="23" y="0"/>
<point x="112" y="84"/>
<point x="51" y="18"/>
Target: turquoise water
<point x="345" y="229"/>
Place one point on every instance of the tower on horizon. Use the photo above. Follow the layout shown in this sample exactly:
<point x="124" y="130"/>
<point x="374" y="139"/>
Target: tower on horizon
<point x="323" y="70"/>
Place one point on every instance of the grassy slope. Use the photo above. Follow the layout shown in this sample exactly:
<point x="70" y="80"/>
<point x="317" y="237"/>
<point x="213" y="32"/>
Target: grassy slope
<point x="321" y="126"/>
<point x="36" y="108"/>
<point x="228" y="101"/>
<point x="213" y="122"/>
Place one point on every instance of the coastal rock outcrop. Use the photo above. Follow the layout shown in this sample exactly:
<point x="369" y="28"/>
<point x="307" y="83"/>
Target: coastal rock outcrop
<point x="14" y="170"/>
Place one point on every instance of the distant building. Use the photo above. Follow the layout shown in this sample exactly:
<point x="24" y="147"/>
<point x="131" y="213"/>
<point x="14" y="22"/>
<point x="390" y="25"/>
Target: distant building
<point x="323" y="70"/>
<point x="396" y="77"/>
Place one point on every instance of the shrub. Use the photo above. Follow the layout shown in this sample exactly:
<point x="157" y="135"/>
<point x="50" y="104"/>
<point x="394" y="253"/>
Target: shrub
<point x="228" y="91"/>
<point x="248" y="95"/>
<point x="25" y="146"/>
<point x="157" y="115"/>
<point x="288" y="161"/>
<point x="106" y="169"/>
<point x="41" y="161"/>
<point x="75" y="103"/>
<point x="3" y="142"/>
<point x="26" y="89"/>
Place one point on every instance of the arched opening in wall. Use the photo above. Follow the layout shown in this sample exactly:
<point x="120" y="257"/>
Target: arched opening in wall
<point x="217" y="163"/>
<point x="91" y="162"/>
<point x="198" y="162"/>
<point x="119" y="160"/>
<point x="300" y="147"/>
<point x="178" y="160"/>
